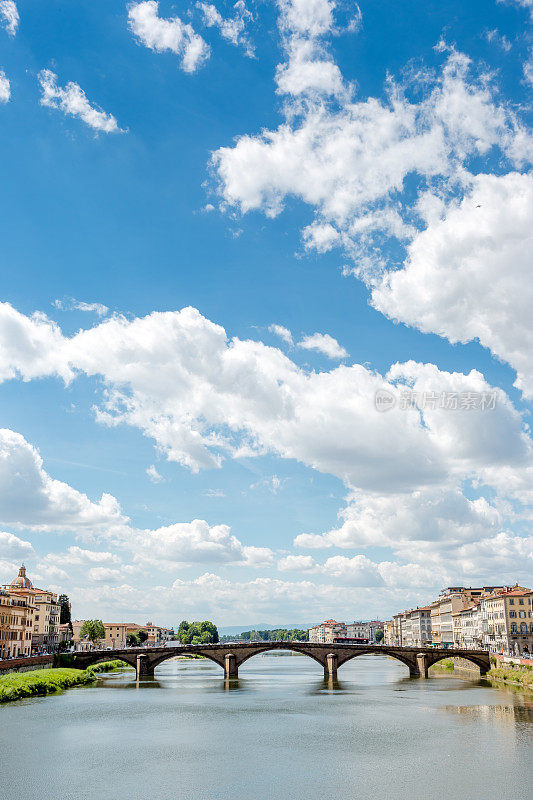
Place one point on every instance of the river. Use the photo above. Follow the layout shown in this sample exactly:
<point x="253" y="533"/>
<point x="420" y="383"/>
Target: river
<point x="279" y="734"/>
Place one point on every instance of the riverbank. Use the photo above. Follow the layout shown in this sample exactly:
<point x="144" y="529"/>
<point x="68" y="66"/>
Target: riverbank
<point x="38" y="683"/>
<point x="512" y="676"/>
<point x="443" y="666"/>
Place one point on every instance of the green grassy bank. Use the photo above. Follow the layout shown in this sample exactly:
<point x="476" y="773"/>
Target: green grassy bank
<point x="110" y="666"/>
<point x="516" y="677"/>
<point x="443" y="666"/>
<point x="39" y="682"/>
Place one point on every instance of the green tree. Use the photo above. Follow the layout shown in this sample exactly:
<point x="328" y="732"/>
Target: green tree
<point x="205" y="632"/>
<point x="64" y="614"/>
<point x="379" y="635"/>
<point x="136" y="638"/>
<point x="93" y="629"/>
<point x="183" y="632"/>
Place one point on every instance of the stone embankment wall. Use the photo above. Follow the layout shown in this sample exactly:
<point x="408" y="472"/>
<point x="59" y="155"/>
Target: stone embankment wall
<point x="26" y="664"/>
<point x="462" y="665"/>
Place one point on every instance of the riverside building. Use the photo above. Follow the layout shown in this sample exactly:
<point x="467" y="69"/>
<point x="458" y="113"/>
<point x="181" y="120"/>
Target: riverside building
<point x="388" y="632"/>
<point x="115" y="635"/>
<point x="157" y="636"/>
<point x="416" y="627"/>
<point x="45" y="622"/>
<point x="452" y="600"/>
<point x="326" y="631"/>
<point x="364" y="630"/>
<point x="16" y="625"/>
<point x="467" y="628"/>
<point x="507" y="621"/>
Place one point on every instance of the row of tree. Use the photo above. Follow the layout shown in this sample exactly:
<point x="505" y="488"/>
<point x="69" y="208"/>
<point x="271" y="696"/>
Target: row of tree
<point x="275" y="635"/>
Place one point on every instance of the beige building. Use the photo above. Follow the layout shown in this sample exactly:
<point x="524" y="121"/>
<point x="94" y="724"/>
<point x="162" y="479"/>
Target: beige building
<point x="45" y="630"/>
<point x="507" y="621"/>
<point x="115" y="635"/>
<point x="157" y="636"/>
<point x="416" y="627"/>
<point x="397" y="629"/>
<point x="16" y="624"/>
<point x="327" y="631"/>
<point x="452" y="600"/>
<point x="388" y="632"/>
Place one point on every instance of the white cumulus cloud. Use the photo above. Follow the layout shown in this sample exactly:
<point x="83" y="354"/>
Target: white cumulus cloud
<point x="9" y="15"/>
<point x="71" y="99"/>
<point x="325" y="344"/>
<point x="161" y="34"/>
<point x="5" y="87"/>
<point x="30" y="498"/>
<point x="467" y="276"/>
<point x="193" y="543"/>
<point x="283" y="333"/>
<point x="13" y="547"/>
<point x="423" y="480"/>
<point x="153" y="474"/>
<point x="233" y="29"/>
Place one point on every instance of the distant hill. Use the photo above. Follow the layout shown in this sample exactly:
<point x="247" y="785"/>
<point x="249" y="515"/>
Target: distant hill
<point x="230" y="630"/>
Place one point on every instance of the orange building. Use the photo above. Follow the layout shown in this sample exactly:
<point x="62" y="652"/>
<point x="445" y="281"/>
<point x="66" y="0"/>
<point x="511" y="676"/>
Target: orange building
<point x="16" y="624"/>
<point x="45" y="621"/>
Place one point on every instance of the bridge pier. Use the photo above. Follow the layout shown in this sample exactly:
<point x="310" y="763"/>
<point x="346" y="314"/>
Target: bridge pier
<point x="422" y="664"/>
<point x="331" y="665"/>
<point x="231" y="670"/>
<point x="144" y="668"/>
<point x="484" y="667"/>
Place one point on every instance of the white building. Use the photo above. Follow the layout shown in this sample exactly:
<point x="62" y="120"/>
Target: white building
<point x="507" y="622"/>
<point x="326" y="631"/>
<point x="467" y="627"/>
<point x="416" y="627"/>
<point x="364" y="630"/>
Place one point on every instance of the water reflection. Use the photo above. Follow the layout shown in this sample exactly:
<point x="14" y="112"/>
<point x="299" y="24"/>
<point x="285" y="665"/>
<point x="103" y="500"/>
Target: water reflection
<point x="232" y="685"/>
<point x="508" y="716"/>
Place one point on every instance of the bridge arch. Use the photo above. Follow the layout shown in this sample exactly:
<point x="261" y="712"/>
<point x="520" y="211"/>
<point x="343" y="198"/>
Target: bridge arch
<point x="383" y="651"/>
<point x="165" y="657"/>
<point x="86" y="659"/>
<point x="268" y="648"/>
<point x="480" y="662"/>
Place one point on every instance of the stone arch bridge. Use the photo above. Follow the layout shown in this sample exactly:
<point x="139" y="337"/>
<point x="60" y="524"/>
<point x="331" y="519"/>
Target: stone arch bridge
<point x="230" y="656"/>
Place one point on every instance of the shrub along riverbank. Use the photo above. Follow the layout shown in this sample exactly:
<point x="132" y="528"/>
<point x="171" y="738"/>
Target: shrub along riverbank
<point x="39" y="682"/>
<point x="516" y="677"/>
<point x="511" y="675"/>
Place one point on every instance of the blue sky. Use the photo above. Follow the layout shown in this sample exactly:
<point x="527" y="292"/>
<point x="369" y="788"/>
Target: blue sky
<point x="359" y="172"/>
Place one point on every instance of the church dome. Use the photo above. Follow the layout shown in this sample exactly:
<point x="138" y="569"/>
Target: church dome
<point x="22" y="581"/>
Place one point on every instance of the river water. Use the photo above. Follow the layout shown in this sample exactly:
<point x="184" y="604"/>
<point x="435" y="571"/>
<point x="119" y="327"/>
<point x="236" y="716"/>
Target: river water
<point x="279" y="733"/>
